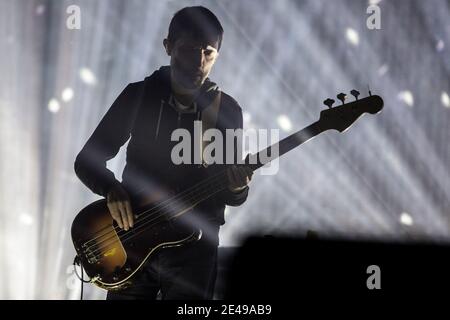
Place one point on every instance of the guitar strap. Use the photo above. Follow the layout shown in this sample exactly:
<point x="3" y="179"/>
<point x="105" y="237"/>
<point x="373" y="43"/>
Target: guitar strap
<point x="209" y="117"/>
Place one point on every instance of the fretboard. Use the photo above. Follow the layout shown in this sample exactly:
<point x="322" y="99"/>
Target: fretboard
<point x="284" y="146"/>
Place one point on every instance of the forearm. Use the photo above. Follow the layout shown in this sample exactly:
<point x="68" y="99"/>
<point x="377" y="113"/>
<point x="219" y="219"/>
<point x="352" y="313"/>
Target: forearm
<point x="93" y="172"/>
<point x="111" y="133"/>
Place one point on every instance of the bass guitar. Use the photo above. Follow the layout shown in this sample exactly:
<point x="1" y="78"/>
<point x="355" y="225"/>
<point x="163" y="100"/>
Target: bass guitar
<point x="111" y="256"/>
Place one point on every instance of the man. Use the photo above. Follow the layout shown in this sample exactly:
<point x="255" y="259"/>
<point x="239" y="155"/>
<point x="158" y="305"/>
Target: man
<point x="149" y="111"/>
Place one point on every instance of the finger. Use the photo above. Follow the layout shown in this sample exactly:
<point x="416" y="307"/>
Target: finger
<point x="249" y="172"/>
<point x="235" y="176"/>
<point x="129" y="213"/>
<point x="233" y="181"/>
<point x="123" y="213"/>
<point x="118" y="219"/>
<point x="243" y="179"/>
<point x="238" y="176"/>
<point x="115" y="213"/>
<point x="231" y="178"/>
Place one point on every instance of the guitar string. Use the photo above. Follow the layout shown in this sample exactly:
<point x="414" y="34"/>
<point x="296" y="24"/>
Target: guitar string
<point x="98" y="255"/>
<point x="142" y="226"/>
<point x="154" y="207"/>
<point x="171" y="199"/>
<point x="167" y="200"/>
<point x="205" y="192"/>
<point x="184" y="197"/>
<point x="182" y="194"/>
<point x="180" y="197"/>
<point x="135" y="234"/>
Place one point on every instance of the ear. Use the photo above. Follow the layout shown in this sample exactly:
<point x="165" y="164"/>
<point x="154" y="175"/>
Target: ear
<point x="167" y="46"/>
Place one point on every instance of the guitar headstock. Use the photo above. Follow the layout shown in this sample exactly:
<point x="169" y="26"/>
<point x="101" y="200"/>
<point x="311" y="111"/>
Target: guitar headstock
<point x="342" y="117"/>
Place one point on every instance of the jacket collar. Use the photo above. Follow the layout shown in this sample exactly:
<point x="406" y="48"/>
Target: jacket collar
<point x="208" y="90"/>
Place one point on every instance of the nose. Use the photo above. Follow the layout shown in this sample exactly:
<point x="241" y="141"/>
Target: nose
<point x="199" y="58"/>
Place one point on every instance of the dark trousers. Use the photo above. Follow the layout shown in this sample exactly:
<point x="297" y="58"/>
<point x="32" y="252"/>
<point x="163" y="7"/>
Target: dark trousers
<point x="186" y="272"/>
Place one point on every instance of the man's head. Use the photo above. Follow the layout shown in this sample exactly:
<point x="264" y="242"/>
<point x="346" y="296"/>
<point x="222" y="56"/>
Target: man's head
<point x="195" y="37"/>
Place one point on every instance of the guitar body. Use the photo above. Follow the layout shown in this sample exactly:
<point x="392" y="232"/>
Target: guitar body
<point x="112" y="256"/>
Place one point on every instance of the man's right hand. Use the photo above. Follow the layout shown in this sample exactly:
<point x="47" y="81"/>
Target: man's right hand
<point x="119" y="206"/>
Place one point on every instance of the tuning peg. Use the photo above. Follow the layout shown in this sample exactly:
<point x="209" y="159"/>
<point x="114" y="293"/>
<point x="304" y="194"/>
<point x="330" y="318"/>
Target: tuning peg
<point x="341" y="96"/>
<point x="355" y="93"/>
<point x="329" y="102"/>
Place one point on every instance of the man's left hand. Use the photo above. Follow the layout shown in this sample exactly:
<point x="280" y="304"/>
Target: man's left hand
<point x="238" y="177"/>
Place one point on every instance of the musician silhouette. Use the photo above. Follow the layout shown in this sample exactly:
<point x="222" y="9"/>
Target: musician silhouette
<point x="149" y="111"/>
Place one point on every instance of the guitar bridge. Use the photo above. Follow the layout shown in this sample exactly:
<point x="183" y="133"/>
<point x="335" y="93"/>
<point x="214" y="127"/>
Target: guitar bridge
<point x="90" y="255"/>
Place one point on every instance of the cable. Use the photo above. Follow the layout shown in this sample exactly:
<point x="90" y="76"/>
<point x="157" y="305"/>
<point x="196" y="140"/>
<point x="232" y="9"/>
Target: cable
<point x="82" y="283"/>
<point x="77" y="262"/>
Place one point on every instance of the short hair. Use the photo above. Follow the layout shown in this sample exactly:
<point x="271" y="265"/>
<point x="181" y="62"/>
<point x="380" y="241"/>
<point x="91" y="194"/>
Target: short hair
<point x="198" y="22"/>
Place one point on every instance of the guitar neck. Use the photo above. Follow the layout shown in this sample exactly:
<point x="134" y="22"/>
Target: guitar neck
<point x="284" y="146"/>
<point x="211" y="186"/>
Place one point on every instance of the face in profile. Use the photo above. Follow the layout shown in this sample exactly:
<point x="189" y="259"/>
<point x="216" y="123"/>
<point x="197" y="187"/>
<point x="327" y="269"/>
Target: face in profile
<point x="191" y="60"/>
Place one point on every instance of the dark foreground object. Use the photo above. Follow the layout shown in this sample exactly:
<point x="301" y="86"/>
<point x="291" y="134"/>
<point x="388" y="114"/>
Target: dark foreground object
<point x="279" y="268"/>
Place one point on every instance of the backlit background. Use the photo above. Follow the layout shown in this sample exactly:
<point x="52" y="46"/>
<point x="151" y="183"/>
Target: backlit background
<point x="387" y="178"/>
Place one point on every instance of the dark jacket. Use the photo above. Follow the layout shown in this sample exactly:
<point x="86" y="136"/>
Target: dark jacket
<point x="142" y="112"/>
